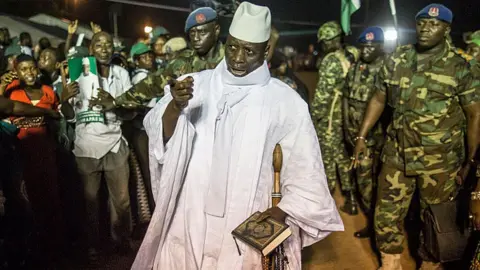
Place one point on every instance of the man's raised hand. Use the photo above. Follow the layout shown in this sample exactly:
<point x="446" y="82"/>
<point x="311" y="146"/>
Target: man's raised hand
<point x="182" y="92"/>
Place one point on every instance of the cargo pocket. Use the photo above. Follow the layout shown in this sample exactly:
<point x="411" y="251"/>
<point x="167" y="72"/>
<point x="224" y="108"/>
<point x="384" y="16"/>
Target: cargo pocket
<point x="393" y="93"/>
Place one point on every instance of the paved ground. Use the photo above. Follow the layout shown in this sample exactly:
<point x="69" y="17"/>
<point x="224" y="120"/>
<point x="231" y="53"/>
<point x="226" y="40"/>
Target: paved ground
<point x="342" y="251"/>
<point x="339" y="251"/>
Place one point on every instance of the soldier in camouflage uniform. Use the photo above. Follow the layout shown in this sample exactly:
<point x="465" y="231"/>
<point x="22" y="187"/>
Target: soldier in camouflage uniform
<point x="473" y="48"/>
<point x="203" y="30"/>
<point x="326" y="110"/>
<point x="358" y="91"/>
<point x="436" y="102"/>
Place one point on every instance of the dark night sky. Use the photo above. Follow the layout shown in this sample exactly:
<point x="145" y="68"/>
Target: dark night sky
<point x="133" y="19"/>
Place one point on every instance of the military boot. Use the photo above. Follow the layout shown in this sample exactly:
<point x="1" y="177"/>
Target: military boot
<point x="363" y="233"/>
<point x="431" y="266"/>
<point x="350" y="207"/>
<point x="390" y="262"/>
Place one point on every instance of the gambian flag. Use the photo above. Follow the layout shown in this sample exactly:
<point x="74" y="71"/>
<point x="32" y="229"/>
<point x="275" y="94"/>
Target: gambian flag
<point x="348" y="8"/>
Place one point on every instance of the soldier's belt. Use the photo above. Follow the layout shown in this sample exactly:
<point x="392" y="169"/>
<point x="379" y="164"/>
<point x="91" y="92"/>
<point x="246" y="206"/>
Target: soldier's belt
<point x="29" y="122"/>
<point x="90" y="117"/>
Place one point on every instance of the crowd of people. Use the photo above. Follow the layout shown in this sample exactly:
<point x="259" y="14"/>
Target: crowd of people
<point x="177" y="135"/>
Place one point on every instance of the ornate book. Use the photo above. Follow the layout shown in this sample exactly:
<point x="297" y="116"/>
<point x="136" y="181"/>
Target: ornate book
<point x="263" y="236"/>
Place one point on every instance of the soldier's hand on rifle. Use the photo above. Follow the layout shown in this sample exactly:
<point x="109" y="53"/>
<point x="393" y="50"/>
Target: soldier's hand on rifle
<point x="359" y="152"/>
<point x="275" y="213"/>
<point x="182" y="92"/>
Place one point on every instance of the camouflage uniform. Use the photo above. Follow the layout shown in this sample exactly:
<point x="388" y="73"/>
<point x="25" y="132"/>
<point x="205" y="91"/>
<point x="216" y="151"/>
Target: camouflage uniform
<point x="425" y="140"/>
<point x="358" y="92"/>
<point x="152" y="86"/>
<point x="326" y="110"/>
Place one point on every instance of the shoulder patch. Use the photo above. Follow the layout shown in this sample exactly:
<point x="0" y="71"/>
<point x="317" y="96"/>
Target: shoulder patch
<point x="463" y="54"/>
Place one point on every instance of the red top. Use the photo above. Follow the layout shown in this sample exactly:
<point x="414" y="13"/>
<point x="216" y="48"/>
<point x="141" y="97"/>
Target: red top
<point x="32" y="125"/>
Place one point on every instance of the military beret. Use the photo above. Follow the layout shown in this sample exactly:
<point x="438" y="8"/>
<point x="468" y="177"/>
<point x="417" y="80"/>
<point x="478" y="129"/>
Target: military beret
<point x="200" y="16"/>
<point x="329" y="31"/>
<point x="435" y="11"/>
<point x="372" y="34"/>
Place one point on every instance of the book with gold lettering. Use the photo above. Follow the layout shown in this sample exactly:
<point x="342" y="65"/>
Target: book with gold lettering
<point x="263" y="236"/>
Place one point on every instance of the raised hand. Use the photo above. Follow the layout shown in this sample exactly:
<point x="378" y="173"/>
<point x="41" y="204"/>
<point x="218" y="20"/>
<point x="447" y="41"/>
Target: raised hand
<point x="70" y="90"/>
<point x="72" y="27"/>
<point x="182" y="92"/>
<point x="95" y="27"/>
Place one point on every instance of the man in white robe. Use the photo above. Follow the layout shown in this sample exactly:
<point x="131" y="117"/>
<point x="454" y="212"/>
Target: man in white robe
<point x="211" y="141"/>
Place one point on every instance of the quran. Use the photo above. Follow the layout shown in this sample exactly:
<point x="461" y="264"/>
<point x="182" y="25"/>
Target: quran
<point x="263" y="236"/>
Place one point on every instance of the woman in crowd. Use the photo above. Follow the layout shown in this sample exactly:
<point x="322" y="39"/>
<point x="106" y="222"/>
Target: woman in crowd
<point x="36" y="148"/>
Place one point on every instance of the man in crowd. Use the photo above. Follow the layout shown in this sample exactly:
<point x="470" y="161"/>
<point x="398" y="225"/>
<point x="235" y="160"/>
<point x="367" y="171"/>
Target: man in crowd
<point x="436" y="105"/>
<point x="207" y="186"/>
<point x="26" y="40"/>
<point x="49" y="64"/>
<point x="101" y="150"/>
<point x="473" y="48"/>
<point x="5" y="34"/>
<point x="327" y="110"/>
<point x="203" y="30"/>
<point x="141" y="56"/>
<point x="358" y="91"/>
<point x="160" y="36"/>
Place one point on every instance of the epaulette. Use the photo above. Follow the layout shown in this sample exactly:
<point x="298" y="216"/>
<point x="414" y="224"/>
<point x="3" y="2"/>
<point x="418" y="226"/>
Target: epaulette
<point x="463" y="54"/>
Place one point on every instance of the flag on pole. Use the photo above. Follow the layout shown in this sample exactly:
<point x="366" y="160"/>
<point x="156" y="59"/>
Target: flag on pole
<point x="348" y="8"/>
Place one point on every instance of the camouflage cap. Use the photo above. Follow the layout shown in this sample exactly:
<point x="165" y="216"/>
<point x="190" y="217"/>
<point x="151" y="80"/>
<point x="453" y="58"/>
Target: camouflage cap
<point x="329" y="31"/>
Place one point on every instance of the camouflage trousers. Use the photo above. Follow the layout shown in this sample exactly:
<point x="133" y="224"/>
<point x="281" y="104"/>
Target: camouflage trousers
<point x="365" y="177"/>
<point x="395" y="192"/>
<point x="335" y="160"/>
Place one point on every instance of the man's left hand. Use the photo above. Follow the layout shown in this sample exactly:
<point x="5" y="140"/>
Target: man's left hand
<point x="103" y="99"/>
<point x="275" y="213"/>
<point x="463" y="173"/>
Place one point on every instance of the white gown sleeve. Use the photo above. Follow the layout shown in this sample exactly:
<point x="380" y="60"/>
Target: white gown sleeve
<point x="305" y="195"/>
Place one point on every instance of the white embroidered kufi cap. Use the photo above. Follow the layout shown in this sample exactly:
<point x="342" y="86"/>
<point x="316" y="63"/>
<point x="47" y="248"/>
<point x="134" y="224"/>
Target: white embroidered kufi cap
<point x="85" y="61"/>
<point x="251" y="23"/>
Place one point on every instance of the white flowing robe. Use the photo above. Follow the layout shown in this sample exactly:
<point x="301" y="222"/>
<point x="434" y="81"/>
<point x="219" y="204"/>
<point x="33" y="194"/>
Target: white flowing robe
<point x="181" y="235"/>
